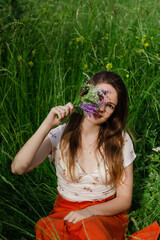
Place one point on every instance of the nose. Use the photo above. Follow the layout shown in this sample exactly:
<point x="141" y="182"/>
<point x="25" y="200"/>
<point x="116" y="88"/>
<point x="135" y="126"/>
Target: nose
<point x="102" y="108"/>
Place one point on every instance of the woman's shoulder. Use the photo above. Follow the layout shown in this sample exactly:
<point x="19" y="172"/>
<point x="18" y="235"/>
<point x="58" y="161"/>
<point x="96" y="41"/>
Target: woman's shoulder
<point x="56" y="133"/>
<point x="128" y="149"/>
<point x="59" y="128"/>
<point x="126" y="137"/>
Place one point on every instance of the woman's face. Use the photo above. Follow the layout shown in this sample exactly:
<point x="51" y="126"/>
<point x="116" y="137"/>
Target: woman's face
<point x="109" y="105"/>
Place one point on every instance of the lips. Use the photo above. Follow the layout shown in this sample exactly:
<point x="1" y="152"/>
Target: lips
<point x="97" y="116"/>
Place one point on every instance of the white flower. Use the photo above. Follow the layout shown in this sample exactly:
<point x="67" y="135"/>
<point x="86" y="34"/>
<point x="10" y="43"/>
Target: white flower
<point x="156" y="149"/>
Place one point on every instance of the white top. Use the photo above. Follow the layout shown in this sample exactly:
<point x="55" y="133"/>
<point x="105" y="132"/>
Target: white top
<point x="88" y="187"/>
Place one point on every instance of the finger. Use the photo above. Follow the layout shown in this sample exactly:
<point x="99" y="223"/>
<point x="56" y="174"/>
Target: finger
<point x="72" y="219"/>
<point x="63" y="110"/>
<point x="70" y="106"/>
<point x="62" y="113"/>
<point x="66" y="109"/>
<point x="57" y="111"/>
<point x="78" y="218"/>
<point x="68" y="216"/>
<point x="75" y="221"/>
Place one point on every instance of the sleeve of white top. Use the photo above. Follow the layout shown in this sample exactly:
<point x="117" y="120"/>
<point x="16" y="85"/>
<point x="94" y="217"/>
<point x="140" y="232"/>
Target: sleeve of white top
<point x="128" y="151"/>
<point x="55" y="137"/>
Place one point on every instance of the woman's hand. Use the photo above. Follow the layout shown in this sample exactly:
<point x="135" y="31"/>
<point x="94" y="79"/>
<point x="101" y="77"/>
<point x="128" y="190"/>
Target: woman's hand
<point x="76" y="216"/>
<point x="58" y="114"/>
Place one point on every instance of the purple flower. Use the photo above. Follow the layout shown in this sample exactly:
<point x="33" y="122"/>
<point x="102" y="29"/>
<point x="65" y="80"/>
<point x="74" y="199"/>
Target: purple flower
<point x="89" y="108"/>
<point x="92" y="101"/>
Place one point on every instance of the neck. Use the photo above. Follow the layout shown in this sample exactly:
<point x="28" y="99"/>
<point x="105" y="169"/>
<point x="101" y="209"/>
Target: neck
<point x="89" y="128"/>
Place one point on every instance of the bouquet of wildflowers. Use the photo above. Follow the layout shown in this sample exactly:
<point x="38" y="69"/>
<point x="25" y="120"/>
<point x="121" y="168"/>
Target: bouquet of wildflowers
<point x="90" y="102"/>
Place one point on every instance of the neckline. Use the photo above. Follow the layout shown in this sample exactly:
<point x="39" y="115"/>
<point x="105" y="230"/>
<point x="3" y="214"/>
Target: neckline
<point x="93" y="170"/>
<point x="84" y="172"/>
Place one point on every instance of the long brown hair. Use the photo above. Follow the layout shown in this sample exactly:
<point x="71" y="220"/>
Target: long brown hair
<point x="110" y="134"/>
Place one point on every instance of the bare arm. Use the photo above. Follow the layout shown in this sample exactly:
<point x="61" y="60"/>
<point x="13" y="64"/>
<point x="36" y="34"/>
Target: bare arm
<point x="117" y="205"/>
<point x="123" y="198"/>
<point x="36" y="149"/>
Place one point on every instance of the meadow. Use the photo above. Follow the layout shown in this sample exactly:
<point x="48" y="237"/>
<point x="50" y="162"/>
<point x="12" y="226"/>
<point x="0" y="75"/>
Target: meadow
<point x="47" y="50"/>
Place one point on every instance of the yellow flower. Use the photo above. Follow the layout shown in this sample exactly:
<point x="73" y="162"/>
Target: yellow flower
<point x="80" y="39"/>
<point x="109" y="66"/>
<point x="70" y="43"/>
<point x="19" y="58"/>
<point x="140" y="50"/>
<point x="34" y="52"/>
<point x="157" y="54"/>
<point x="146" y="45"/>
<point x="30" y="63"/>
<point x="106" y="37"/>
<point x="144" y="36"/>
<point x="127" y="76"/>
<point x="152" y="38"/>
<point x="136" y="37"/>
<point x="85" y="66"/>
<point x="143" y="40"/>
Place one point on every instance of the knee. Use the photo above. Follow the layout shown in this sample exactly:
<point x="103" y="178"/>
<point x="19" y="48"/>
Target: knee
<point x="42" y="223"/>
<point x="96" y="222"/>
<point x="44" y="230"/>
<point x="91" y="220"/>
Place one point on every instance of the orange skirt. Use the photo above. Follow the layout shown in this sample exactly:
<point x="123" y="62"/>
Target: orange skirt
<point x="92" y="228"/>
<point x="149" y="233"/>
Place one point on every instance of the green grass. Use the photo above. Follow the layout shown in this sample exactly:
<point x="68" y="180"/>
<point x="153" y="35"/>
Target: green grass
<point x="46" y="50"/>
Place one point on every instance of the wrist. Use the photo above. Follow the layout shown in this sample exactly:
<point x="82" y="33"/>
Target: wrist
<point x="44" y="128"/>
<point x="47" y="126"/>
<point x="92" y="210"/>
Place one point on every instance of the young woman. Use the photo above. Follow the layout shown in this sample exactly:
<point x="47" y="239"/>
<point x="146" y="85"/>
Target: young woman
<point x="94" y="158"/>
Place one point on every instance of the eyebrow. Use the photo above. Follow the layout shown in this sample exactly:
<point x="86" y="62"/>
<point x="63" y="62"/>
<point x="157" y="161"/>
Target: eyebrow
<point x="111" y="103"/>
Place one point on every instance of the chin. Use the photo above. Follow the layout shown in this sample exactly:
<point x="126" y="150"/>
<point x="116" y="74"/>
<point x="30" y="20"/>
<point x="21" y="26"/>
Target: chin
<point x="97" y="119"/>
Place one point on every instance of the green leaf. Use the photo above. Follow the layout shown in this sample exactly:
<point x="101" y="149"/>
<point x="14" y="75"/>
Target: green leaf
<point x="1" y="227"/>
